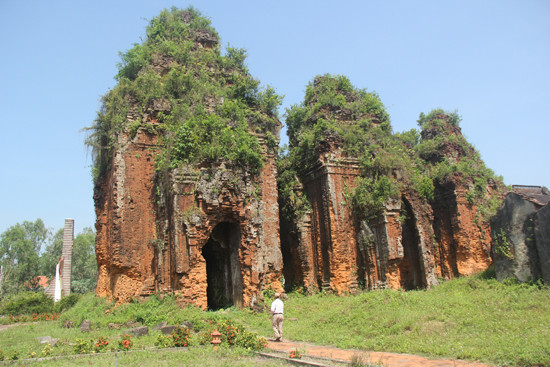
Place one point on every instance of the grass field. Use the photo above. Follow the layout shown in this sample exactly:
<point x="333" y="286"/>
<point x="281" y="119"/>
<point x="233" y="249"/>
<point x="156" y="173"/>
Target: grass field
<point x="197" y="356"/>
<point x="468" y="318"/>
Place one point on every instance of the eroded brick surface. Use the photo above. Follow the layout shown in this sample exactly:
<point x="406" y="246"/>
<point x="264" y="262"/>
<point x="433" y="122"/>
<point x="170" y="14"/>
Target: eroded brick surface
<point x="151" y="234"/>
<point x="410" y="246"/>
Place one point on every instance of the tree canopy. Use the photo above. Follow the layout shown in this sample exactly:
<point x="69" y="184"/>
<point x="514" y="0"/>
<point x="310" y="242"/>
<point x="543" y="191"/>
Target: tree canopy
<point x="20" y="246"/>
<point x="29" y="249"/>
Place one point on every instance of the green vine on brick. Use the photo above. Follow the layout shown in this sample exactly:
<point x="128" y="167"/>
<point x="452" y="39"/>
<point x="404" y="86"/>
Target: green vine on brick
<point x="502" y="245"/>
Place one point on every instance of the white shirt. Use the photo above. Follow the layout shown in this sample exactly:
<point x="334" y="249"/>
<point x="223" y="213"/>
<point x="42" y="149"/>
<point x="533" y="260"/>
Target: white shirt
<point x="277" y="306"/>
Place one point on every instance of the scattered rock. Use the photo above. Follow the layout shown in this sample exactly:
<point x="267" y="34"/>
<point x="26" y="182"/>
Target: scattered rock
<point x="258" y="308"/>
<point x="187" y="325"/>
<point x="159" y="326"/>
<point x="132" y="324"/>
<point x="43" y="339"/>
<point x="115" y="326"/>
<point x="138" y="331"/>
<point x="85" y="326"/>
<point x="47" y="340"/>
<point x="257" y="305"/>
<point x="68" y="324"/>
<point x="168" y="329"/>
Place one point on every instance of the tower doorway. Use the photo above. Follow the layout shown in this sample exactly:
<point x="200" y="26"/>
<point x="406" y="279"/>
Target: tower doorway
<point x="411" y="267"/>
<point x="223" y="269"/>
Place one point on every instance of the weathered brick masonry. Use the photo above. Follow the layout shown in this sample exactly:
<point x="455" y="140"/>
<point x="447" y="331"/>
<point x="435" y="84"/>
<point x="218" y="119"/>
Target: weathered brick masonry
<point x="217" y="224"/>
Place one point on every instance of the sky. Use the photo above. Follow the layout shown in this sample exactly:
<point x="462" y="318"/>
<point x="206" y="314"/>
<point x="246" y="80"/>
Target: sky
<point x="489" y="60"/>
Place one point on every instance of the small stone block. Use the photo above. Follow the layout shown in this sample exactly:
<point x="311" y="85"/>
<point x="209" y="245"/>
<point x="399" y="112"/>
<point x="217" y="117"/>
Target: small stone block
<point x="187" y="325"/>
<point x="169" y="329"/>
<point x="160" y="326"/>
<point x="112" y="325"/>
<point x="85" y="326"/>
<point x="138" y="331"/>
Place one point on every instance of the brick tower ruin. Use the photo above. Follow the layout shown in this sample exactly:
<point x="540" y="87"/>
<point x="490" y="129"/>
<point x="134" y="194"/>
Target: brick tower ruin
<point x="186" y="193"/>
<point x="359" y="211"/>
<point x="188" y="184"/>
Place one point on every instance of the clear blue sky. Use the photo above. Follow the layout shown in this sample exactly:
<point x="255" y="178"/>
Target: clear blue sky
<point x="490" y="60"/>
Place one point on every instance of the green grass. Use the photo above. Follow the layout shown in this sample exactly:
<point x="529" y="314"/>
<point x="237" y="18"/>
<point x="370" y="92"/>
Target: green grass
<point x="468" y="318"/>
<point x="204" y="357"/>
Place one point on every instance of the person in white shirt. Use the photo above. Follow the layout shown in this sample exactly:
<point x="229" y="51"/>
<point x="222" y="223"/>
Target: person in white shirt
<point x="277" y="310"/>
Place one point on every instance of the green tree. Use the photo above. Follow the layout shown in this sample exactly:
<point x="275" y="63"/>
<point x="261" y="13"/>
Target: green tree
<point x="19" y="254"/>
<point x="51" y="255"/>
<point x="84" y="275"/>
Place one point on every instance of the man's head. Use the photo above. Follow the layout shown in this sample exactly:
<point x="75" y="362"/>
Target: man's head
<point x="277" y="295"/>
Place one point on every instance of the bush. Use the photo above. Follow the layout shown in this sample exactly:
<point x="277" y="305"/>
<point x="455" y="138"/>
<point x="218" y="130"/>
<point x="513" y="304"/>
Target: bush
<point x="34" y="317"/>
<point x="47" y="351"/>
<point x="27" y="303"/>
<point x="233" y="335"/>
<point x="66" y="302"/>
<point x="164" y="341"/>
<point x="249" y="340"/>
<point x="180" y="337"/>
<point x="101" y="344"/>
<point x="90" y="307"/>
<point x="83" y="346"/>
<point x="125" y="343"/>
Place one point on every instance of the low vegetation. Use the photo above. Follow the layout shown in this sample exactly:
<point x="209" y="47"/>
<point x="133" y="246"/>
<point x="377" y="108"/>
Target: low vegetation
<point x="110" y="325"/>
<point x="473" y="318"/>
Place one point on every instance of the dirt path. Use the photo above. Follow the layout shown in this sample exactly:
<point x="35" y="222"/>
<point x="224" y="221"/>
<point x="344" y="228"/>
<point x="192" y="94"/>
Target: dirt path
<point x="384" y="359"/>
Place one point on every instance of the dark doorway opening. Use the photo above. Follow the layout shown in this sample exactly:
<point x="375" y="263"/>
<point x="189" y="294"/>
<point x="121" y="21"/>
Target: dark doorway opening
<point x="411" y="267"/>
<point x="223" y="269"/>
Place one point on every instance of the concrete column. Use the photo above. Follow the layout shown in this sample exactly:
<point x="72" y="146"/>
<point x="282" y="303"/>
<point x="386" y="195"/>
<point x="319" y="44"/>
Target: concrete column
<point x="67" y="252"/>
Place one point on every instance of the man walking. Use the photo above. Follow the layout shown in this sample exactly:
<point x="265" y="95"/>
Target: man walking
<point x="277" y="310"/>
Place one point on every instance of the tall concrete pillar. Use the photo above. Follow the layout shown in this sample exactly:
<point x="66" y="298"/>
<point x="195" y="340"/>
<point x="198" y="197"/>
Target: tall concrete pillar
<point x="67" y="253"/>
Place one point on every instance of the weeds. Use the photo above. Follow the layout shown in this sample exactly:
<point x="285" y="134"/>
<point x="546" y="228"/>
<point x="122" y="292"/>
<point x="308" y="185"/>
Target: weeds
<point x="101" y="344"/>
<point x="32" y="318"/>
<point x="180" y="337"/>
<point x="473" y="318"/>
<point x="296" y="353"/>
<point x="360" y="360"/>
<point x="125" y="343"/>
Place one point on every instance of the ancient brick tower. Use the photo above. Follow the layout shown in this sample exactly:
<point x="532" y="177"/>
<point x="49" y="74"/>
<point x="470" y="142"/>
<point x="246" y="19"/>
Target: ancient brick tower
<point x="188" y="188"/>
<point x="186" y="193"/>
<point x="360" y="209"/>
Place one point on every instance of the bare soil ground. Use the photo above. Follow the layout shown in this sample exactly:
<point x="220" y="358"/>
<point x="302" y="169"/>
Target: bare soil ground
<point x="379" y="358"/>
